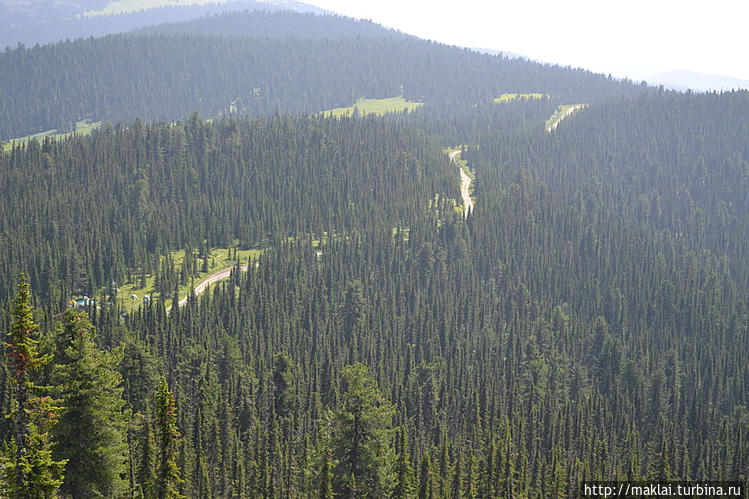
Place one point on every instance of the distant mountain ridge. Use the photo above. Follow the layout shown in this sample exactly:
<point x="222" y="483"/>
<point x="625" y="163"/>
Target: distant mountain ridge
<point x="276" y="24"/>
<point x="683" y="80"/>
<point x="50" y="21"/>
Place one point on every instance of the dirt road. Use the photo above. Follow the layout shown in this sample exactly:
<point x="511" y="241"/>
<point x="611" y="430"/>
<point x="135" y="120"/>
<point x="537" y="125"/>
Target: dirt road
<point x="465" y="181"/>
<point x="208" y="280"/>
<point x="569" y="111"/>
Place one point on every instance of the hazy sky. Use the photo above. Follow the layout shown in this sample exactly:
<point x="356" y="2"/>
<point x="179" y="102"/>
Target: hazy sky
<point x="634" y="38"/>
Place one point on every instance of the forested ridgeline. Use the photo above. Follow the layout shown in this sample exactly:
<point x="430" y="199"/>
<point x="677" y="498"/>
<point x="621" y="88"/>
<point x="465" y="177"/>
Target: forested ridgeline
<point x="50" y="21"/>
<point x="275" y="24"/>
<point x="122" y="77"/>
<point x="566" y="330"/>
<point x="80" y="213"/>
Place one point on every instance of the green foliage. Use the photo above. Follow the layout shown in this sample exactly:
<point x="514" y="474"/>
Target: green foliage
<point x="404" y="474"/>
<point x="28" y="468"/>
<point x="353" y="310"/>
<point x="90" y="433"/>
<point x="167" y="436"/>
<point x="361" y="436"/>
<point x="283" y="383"/>
<point x="146" y="467"/>
<point x="426" y="484"/>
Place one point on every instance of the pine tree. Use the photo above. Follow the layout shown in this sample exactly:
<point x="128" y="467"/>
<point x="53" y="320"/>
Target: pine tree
<point x="325" y="489"/>
<point x="283" y="385"/>
<point x="29" y="471"/>
<point x="353" y="309"/>
<point x="147" y="464"/>
<point x="426" y="487"/>
<point x="404" y="473"/>
<point x="361" y="436"/>
<point x="168" y="476"/>
<point x="91" y="430"/>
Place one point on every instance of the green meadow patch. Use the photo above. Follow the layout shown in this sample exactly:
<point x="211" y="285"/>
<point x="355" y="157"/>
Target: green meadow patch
<point x="83" y="127"/>
<point x="511" y="97"/>
<point x="375" y="106"/>
<point x="131" y="295"/>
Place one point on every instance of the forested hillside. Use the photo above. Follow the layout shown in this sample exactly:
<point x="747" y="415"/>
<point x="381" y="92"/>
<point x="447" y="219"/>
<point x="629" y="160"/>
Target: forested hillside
<point x="134" y="192"/>
<point x="587" y="321"/>
<point x="50" y="21"/>
<point x="166" y="77"/>
<point x="282" y="24"/>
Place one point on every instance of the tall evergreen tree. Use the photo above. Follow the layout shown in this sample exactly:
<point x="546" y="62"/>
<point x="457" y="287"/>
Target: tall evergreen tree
<point x="426" y="485"/>
<point x="283" y="385"/>
<point x="361" y="436"/>
<point x="146" y="467"/>
<point x="91" y="430"/>
<point x="325" y="487"/>
<point x="404" y="473"/>
<point x="29" y="471"/>
<point x="168" y="476"/>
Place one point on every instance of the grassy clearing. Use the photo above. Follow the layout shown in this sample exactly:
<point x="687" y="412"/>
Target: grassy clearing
<point x="561" y="112"/>
<point x="511" y="97"/>
<point x="83" y="127"/>
<point x="220" y="258"/>
<point x="375" y="106"/>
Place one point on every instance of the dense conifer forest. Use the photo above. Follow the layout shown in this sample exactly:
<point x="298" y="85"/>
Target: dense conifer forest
<point x="587" y="320"/>
<point x="274" y="67"/>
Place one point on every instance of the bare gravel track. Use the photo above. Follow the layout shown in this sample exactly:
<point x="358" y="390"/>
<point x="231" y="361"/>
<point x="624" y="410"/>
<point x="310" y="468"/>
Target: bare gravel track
<point x="465" y="181"/>
<point x="219" y="275"/>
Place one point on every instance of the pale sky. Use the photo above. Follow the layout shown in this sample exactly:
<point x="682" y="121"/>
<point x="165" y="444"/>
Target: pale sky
<point x="634" y="38"/>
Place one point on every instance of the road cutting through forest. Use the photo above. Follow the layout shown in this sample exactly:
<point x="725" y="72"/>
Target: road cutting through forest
<point x="465" y="181"/>
<point x="208" y="280"/>
<point x="568" y="112"/>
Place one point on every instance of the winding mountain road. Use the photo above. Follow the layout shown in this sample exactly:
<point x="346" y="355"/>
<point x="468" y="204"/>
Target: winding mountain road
<point x="219" y="275"/>
<point x="465" y="181"/>
<point x="568" y="112"/>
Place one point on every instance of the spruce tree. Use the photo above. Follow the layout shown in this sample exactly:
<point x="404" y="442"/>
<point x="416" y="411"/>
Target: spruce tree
<point x="146" y="469"/>
<point x="361" y="436"/>
<point x="404" y="473"/>
<point x="91" y="430"/>
<point x="168" y="476"/>
<point x="426" y="487"/>
<point x="325" y="488"/>
<point x="28" y="469"/>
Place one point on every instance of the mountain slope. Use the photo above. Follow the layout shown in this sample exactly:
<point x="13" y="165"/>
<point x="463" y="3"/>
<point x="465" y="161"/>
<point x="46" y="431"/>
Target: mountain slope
<point x="683" y="80"/>
<point x="49" y="21"/>
<point x="167" y="76"/>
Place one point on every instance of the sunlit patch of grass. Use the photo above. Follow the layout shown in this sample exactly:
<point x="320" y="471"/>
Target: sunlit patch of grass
<point x="375" y="106"/>
<point x="130" y="295"/>
<point x="83" y="127"/>
<point x="511" y="97"/>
